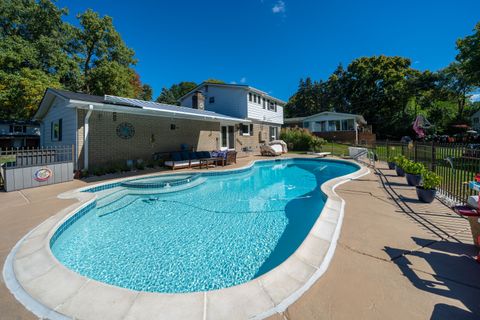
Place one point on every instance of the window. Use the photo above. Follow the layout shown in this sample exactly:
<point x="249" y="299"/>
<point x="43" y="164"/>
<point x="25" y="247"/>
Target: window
<point x="273" y="133"/>
<point x="228" y="137"/>
<point x="271" y="105"/>
<point x="173" y="126"/>
<point x="56" y="130"/>
<point x="250" y="96"/>
<point x="211" y="100"/>
<point x="17" y="129"/>
<point x="245" y="129"/>
<point x="344" y="125"/>
<point x="264" y="103"/>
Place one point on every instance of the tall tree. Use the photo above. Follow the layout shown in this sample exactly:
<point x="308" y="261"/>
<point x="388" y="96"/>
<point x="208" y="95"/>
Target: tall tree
<point x="101" y="50"/>
<point x="175" y="92"/>
<point x="469" y="56"/>
<point x="456" y="85"/>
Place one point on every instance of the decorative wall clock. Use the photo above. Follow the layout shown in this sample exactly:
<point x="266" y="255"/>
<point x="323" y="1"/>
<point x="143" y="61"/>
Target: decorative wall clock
<point x="125" y="130"/>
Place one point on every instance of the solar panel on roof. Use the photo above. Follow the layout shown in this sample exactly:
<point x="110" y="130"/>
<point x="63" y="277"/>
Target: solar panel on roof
<point x="166" y="107"/>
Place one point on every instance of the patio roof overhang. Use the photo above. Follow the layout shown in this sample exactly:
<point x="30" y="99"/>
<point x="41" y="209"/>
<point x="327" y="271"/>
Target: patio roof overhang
<point x="156" y="112"/>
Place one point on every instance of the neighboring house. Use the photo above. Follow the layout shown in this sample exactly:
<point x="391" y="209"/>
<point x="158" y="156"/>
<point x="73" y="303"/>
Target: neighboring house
<point x="106" y="129"/>
<point x="335" y="126"/>
<point x="262" y="113"/>
<point x="475" y="120"/>
<point x="19" y="134"/>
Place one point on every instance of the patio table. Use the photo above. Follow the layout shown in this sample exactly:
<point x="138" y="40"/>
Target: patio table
<point x="208" y="162"/>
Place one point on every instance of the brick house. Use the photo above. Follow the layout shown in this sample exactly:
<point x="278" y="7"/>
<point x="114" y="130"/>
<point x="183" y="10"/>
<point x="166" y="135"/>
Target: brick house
<point x="106" y="129"/>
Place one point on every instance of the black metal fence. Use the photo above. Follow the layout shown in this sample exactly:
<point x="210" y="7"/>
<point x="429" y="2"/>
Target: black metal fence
<point x="26" y="157"/>
<point x="455" y="163"/>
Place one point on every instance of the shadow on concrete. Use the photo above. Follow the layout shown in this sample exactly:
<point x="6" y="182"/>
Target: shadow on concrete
<point x="456" y="275"/>
<point x="443" y="311"/>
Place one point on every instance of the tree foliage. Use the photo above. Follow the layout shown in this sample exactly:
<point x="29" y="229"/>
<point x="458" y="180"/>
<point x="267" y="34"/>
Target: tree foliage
<point x="175" y="92"/>
<point x="39" y="50"/>
<point x="469" y="56"/>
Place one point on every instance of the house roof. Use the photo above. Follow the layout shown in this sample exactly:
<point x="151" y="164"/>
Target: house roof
<point x="360" y="119"/>
<point x="232" y="85"/>
<point x="128" y="105"/>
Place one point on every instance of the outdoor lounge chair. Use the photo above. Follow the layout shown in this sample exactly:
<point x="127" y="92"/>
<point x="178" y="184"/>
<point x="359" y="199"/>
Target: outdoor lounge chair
<point x="273" y="150"/>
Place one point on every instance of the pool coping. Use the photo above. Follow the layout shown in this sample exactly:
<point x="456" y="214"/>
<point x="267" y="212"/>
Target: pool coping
<point x="37" y="279"/>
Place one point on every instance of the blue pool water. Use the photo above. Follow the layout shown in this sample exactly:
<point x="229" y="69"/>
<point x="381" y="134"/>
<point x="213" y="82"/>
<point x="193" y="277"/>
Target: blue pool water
<point x="223" y="232"/>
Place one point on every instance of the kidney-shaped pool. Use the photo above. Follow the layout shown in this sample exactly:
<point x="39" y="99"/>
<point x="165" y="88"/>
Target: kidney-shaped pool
<point x="214" y="232"/>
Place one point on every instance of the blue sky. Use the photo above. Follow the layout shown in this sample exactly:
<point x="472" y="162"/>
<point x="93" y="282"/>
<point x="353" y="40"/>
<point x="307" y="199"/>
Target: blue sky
<point x="271" y="44"/>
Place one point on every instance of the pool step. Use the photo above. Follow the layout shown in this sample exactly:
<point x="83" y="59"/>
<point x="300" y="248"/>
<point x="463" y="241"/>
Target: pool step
<point x="116" y="198"/>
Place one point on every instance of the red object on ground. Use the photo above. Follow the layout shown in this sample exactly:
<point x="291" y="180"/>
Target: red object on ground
<point x="466" y="211"/>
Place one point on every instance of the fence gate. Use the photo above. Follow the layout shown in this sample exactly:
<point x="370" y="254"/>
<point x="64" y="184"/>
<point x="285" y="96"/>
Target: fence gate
<point x="34" y="167"/>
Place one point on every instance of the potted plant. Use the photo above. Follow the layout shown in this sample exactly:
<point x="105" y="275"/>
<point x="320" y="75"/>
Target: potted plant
<point x="400" y="161"/>
<point x="413" y="172"/>
<point x="391" y="162"/>
<point x="427" y="190"/>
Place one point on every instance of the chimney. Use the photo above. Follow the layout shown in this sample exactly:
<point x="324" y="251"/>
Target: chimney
<point x="198" y="100"/>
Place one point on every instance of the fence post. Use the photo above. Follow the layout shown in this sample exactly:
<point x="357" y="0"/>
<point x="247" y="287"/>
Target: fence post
<point x="415" y="146"/>
<point x="388" y="152"/>
<point x="434" y="156"/>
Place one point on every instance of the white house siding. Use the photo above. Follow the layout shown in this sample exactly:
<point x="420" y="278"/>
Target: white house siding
<point x="256" y="112"/>
<point x="228" y="101"/>
<point x="59" y="110"/>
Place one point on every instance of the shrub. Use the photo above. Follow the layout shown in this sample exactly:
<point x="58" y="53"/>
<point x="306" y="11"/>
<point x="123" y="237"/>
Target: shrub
<point x="316" y="144"/>
<point x="139" y="165"/>
<point x="300" y="139"/>
<point x="430" y="180"/>
<point x="412" y="167"/>
<point x="98" y="171"/>
<point x="400" y="161"/>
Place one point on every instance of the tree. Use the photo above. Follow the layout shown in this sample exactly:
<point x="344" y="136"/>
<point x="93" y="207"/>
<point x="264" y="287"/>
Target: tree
<point x="21" y="92"/>
<point x="456" y="85"/>
<point x="100" y="46"/>
<point x="175" y="92"/>
<point x="469" y="56"/>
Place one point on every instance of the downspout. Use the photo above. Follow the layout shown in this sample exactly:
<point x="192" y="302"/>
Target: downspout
<point x="85" y="137"/>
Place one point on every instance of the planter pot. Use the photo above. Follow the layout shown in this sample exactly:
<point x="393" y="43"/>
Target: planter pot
<point x="475" y="228"/>
<point x="426" y="195"/>
<point x="391" y="165"/>
<point x="400" y="171"/>
<point x="413" y="179"/>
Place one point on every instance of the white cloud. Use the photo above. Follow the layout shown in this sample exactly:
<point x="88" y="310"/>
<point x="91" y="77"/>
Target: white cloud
<point x="475" y="97"/>
<point x="279" y="7"/>
<point x="243" y="80"/>
<point x="233" y="82"/>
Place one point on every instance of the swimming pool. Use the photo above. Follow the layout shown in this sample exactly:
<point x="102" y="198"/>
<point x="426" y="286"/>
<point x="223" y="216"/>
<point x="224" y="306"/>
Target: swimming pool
<point x="229" y="229"/>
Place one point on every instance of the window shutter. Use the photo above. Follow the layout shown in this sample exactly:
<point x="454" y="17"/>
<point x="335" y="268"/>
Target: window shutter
<point x="60" y="130"/>
<point x="241" y="129"/>
<point x="251" y="129"/>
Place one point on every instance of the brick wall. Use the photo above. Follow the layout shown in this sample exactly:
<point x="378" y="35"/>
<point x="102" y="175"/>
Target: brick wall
<point x="261" y="135"/>
<point x="152" y="134"/>
<point x="347" y="136"/>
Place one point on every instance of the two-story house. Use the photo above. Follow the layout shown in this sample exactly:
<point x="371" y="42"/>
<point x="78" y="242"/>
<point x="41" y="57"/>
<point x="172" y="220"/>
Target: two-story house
<point x="19" y="134"/>
<point x="109" y="129"/>
<point x="263" y="113"/>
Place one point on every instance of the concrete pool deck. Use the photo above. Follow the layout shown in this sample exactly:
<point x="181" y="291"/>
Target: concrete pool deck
<point x="369" y="276"/>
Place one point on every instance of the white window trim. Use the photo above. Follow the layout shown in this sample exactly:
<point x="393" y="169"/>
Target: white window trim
<point x="246" y="133"/>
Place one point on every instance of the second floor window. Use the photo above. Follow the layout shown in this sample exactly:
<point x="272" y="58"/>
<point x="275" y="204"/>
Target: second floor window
<point x="250" y="96"/>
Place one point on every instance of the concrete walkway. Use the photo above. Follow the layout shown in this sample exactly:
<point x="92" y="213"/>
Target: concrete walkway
<point x="396" y="258"/>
